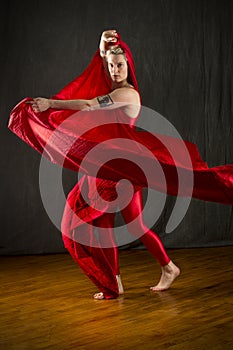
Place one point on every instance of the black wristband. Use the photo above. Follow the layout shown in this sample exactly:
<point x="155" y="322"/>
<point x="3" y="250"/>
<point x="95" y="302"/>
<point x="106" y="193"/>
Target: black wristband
<point x="105" y="101"/>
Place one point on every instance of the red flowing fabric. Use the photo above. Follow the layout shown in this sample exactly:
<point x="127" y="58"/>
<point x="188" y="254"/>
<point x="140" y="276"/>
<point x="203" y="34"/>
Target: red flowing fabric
<point x="65" y="137"/>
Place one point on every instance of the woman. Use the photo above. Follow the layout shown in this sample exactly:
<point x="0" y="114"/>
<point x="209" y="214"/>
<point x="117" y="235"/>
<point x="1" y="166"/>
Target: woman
<point x="125" y="95"/>
<point x="107" y="83"/>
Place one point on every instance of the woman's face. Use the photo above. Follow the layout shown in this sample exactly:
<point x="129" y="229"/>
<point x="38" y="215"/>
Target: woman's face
<point x="117" y="67"/>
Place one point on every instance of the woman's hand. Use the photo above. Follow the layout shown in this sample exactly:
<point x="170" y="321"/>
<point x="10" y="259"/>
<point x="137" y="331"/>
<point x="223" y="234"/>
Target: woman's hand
<point x="40" y="104"/>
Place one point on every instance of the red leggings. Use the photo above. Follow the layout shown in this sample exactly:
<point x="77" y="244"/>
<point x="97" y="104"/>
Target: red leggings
<point x="150" y="239"/>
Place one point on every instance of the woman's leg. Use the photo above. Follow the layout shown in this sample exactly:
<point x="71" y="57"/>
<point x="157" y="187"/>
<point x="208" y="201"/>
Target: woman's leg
<point x="151" y="241"/>
<point x="109" y="247"/>
<point x="149" y="238"/>
<point x="107" y="240"/>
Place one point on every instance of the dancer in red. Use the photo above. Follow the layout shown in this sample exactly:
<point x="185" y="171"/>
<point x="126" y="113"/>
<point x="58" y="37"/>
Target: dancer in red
<point x="108" y="82"/>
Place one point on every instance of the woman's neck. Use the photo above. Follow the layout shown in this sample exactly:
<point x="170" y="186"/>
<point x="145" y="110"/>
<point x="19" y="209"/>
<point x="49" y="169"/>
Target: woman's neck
<point x="116" y="85"/>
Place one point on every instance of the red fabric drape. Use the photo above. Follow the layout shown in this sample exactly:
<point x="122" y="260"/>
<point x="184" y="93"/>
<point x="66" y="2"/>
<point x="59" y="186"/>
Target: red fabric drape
<point x="210" y="184"/>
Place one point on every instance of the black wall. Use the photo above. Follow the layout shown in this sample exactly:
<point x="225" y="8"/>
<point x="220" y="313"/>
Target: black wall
<point x="183" y="56"/>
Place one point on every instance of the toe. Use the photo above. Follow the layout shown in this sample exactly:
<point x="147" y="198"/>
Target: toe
<point x="99" y="296"/>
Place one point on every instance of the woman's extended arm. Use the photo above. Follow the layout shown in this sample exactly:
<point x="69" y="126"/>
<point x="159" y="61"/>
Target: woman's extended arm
<point x="41" y="104"/>
<point x="122" y="97"/>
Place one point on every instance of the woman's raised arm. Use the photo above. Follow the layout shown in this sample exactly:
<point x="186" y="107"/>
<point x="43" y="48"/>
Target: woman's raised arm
<point x="108" y="38"/>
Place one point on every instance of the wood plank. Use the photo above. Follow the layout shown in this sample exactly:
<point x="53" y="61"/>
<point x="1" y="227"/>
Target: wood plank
<point x="46" y="303"/>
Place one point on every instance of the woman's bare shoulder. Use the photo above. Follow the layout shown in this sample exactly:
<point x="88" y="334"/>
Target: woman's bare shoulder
<point x="128" y="91"/>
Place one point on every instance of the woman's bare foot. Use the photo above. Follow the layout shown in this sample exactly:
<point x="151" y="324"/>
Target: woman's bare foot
<point x="99" y="296"/>
<point x="169" y="273"/>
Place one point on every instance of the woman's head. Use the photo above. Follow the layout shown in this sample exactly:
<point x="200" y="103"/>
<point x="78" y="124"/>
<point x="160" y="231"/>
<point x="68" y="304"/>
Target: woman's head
<point x="117" y="65"/>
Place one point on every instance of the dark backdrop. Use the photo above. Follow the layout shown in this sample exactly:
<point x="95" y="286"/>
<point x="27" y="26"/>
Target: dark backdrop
<point x="183" y="57"/>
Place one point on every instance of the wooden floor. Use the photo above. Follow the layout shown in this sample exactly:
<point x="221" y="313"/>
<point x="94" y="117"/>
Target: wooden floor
<point x="46" y="303"/>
